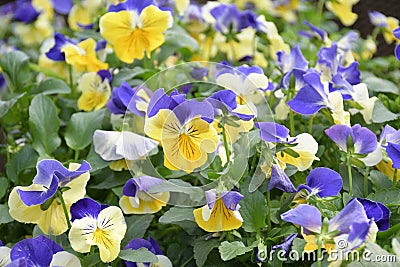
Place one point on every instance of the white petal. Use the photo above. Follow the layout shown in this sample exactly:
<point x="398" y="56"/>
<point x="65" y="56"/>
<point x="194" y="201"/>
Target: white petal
<point x="4" y="256"/>
<point x="373" y="158"/>
<point x="81" y="232"/>
<point x="65" y="259"/>
<point x="133" y="146"/>
<point x="112" y="220"/>
<point x="163" y="261"/>
<point x="205" y="213"/>
<point x="105" y="144"/>
<point x="305" y="142"/>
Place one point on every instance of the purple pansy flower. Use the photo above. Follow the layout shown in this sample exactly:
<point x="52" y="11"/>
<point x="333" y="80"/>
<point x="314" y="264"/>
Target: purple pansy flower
<point x="362" y="139"/>
<point x="350" y="224"/>
<point x="55" y="52"/>
<point x="40" y="251"/>
<point x="133" y="5"/>
<point x="273" y="132"/>
<point x="288" y="63"/>
<point x="390" y="140"/>
<point x="314" y="32"/>
<point x="226" y="99"/>
<point x="230" y="18"/>
<point x="25" y="12"/>
<point x="280" y="180"/>
<point x="285" y="245"/>
<point x="377" y="212"/>
<point x="152" y="246"/>
<point x="322" y="182"/>
<point x="62" y="6"/>
<point x="51" y="175"/>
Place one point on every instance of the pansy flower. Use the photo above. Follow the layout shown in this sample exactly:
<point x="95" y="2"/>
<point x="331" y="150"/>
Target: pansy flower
<point x="183" y="130"/>
<point x="343" y="10"/>
<point x="122" y="147"/>
<point x="289" y="63"/>
<point x="376" y="212"/>
<point x="137" y="200"/>
<point x="82" y="13"/>
<point x="40" y="203"/>
<point x="321" y="182"/>
<point x="82" y="56"/>
<point x="361" y="97"/>
<point x="221" y="213"/>
<point x="134" y="28"/>
<point x="134" y="99"/>
<point x="153" y="247"/>
<point x="278" y="178"/>
<point x="41" y="251"/>
<point x="35" y="32"/>
<point x="95" y="88"/>
<point x="350" y="224"/>
<point x="97" y="225"/>
<point x="390" y="142"/>
<point x="285" y="245"/>
<point x="387" y="24"/>
<point x="315" y="32"/>
<point x="55" y="53"/>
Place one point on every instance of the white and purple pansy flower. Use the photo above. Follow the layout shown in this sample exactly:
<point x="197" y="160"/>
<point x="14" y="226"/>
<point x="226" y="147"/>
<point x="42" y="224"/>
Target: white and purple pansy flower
<point x="290" y="63"/>
<point x="136" y="198"/>
<point x="350" y="224"/>
<point x="280" y="180"/>
<point x="376" y="212"/>
<point x="55" y="53"/>
<point x="390" y="140"/>
<point x="153" y="247"/>
<point x="98" y="225"/>
<point x="221" y="213"/>
<point x="355" y="139"/>
<point x="125" y="98"/>
<point x="41" y="251"/>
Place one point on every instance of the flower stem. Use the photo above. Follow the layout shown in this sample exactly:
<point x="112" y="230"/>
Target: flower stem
<point x="291" y="122"/>
<point x="394" y="182"/>
<point x="310" y="124"/>
<point x="320" y="10"/>
<point x="366" y="181"/>
<point x="71" y="79"/>
<point x="350" y="174"/>
<point x="319" y="252"/>
<point x="269" y="210"/>
<point x="76" y="157"/>
<point x="64" y="208"/>
<point x="228" y="153"/>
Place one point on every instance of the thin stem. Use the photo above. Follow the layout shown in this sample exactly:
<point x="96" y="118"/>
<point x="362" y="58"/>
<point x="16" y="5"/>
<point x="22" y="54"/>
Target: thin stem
<point x="71" y="78"/>
<point x="320" y="10"/>
<point x="310" y="124"/>
<point x="291" y="122"/>
<point x="269" y="210"/>
<point x="350" y="175"/>
<point x="227" y="151"/>
<point x="76" y="157"/>
<point x="394" y="182"/>
<point x="64" y="208"/>
<point x="319" y="252"/>
<point x="366" y="181"/>
<point x="188" y="260"/>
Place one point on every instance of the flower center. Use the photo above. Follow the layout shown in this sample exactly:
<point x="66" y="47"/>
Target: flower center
<point x="102" y="238"/>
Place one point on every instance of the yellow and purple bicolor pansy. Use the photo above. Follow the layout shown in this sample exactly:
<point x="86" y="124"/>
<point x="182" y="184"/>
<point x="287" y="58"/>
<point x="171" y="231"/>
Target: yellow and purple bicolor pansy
<point x="355" y="139"/>
<point x="124" y="98"/>
<point x="95" y="88"/>
<point x="136" y="198"/>
<point x="94" y="224"/>
<point x="39" y="202"/>
<point x="350" y="224"/>
<point x="135" y="28"/>
<point x="55" y="53"/>
<point x="221" y="213"/>
<point x="40" y="251"/>
<point x="183" y="128"/>
<point x="153" y="247"/>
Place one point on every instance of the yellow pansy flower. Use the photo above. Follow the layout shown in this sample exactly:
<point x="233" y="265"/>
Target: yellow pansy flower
<point x="95" y="89"/>
<point x="343" y="10"/>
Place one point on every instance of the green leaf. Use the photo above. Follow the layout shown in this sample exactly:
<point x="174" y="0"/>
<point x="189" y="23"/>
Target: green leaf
<point x="124" y="75"/>
<point x="139" y="255"/>
<point x="96" y="161"/>
<point x="15" y="69"/>
<point x="3" y="186"/>
<point x="52" y="86"/>
<point x="91" y="260"/>
<point x="5" y="106"/>
<point x="381" y="114"/>
<point x="24" y="159"/>
<point x="81" y="127"/>
<point x="253" y="209"/>
<point x="44" y="125"/>
<point x="203" y="247"/>
<point x="180" y="38"/>
<point x="229" y="250"/>
<point x="137" y="226"/>
<point x="371" y="253"/>
<point x="177" y="214"/>
<point x="389" y="197"/>
<point x="379" y="180"/>
<point x="179" y="186"/>
<point x="376" y="84"/>
<point x="4" y="214"/>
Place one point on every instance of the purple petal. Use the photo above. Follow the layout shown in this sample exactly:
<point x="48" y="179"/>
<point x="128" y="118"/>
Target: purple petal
<point x="85" y="207"/>
<point x="326" y="181"/>
<point x="396" y="32"/>
<point x="353" y="212"/>
<point x="55" y="52"/>
<point x="211" y="197"/>
<point x="388" y="130"/>
<point x="33" y="251"/>
<point x="132" y="5"/>
<point x="62" y="6"/>
<point x="199" y="73"/>
<point x="280" y="180"/>
<point x="306" y="216"/>
<point x="231" y="199"/>
<point x="155" y="245"/>
<point x="137" y="243"/>
<point x="339" y="134"/>
<point x="350" y="73"/>
<point x="377" y="19"/>
<point x="285" y="245"/>
<point x="115" y="104"/>
<point x="273" y="132"/>
<point x="327" y="57"/>
<point x="358" y="234"/>
<point x="377" y="212"/>
<point x="39" y="197"/>
<point x="318" y="31"/>
<point x="225" y="97"/>
<point x="364" y="139"/>
<point x="25" y="12"/>
<point x="105" y="74"/>
<point x="393" y="151"/>
<point x="50" y="243"/>
<point x="143" y="183"/>
<point x="160" y="100"/>
<point x="192" y="108"/>
<point x="294" y="60"/>
<point x="397" y="52"/>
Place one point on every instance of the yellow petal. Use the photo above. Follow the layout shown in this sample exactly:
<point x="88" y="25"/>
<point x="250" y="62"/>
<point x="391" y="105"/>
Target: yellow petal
<point x="52" y="221"/>
<point x="145" y="207"/>
<point x="114" y="25"/>
<point x="342" y="9"/>
<point x="220" y="219"/>
<point x="78" y="14"/>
